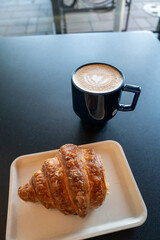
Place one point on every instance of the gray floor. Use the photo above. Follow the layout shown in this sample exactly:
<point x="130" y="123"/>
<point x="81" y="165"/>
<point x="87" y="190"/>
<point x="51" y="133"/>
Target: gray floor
<point x="25" y="17"/>
<point x="35" y="17"/>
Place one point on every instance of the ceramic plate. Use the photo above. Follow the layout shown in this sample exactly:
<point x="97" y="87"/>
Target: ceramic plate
<point x="123" y="207"/>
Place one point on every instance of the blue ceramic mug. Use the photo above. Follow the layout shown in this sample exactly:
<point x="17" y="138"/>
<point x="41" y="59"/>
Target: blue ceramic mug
<point x="96" y="93"/>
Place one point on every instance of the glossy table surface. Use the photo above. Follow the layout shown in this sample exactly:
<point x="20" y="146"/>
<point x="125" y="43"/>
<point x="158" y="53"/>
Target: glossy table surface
<point x="36" y="108"/>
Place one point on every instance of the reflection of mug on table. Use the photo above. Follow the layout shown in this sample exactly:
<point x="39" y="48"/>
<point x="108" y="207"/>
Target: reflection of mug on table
<point x="96" y="92"/>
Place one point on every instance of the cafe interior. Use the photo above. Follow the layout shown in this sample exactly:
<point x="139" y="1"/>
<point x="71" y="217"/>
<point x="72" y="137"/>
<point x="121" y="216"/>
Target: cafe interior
<point x="79" y="119"/>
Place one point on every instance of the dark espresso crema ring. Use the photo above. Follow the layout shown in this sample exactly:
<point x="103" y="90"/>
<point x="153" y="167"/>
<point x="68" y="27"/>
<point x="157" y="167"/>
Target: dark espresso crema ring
<point x="98" y="78"/>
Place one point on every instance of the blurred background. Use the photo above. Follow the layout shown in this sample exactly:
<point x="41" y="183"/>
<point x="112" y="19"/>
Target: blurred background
<point x="43" y="17"/>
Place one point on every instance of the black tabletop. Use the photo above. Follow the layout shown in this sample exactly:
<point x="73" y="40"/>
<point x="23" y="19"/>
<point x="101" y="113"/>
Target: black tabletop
<point x="36" y="107"/>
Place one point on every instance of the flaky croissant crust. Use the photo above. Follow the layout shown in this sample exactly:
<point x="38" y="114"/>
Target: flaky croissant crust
<point x="73" y="181"/>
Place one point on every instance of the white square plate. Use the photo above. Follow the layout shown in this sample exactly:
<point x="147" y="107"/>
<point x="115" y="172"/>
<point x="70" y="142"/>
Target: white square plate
<point x="123" y="208"/>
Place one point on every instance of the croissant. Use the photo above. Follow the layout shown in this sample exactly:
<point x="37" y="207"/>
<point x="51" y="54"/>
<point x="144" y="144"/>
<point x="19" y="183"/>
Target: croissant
<point x="73" y="182"/>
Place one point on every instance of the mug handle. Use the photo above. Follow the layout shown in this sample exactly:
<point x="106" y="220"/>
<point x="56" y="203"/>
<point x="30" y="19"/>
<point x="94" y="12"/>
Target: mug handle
<point x="134" y="89"/>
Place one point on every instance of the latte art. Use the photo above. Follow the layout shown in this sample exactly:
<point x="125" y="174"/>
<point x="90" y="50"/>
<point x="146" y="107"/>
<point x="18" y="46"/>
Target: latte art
<point x="95" y="79"/>
<point x="98" y="78"/>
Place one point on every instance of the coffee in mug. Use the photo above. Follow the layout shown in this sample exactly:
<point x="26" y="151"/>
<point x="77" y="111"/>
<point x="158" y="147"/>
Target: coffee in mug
<point x="96" y="93"/>
<point x="98" y="78"/>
